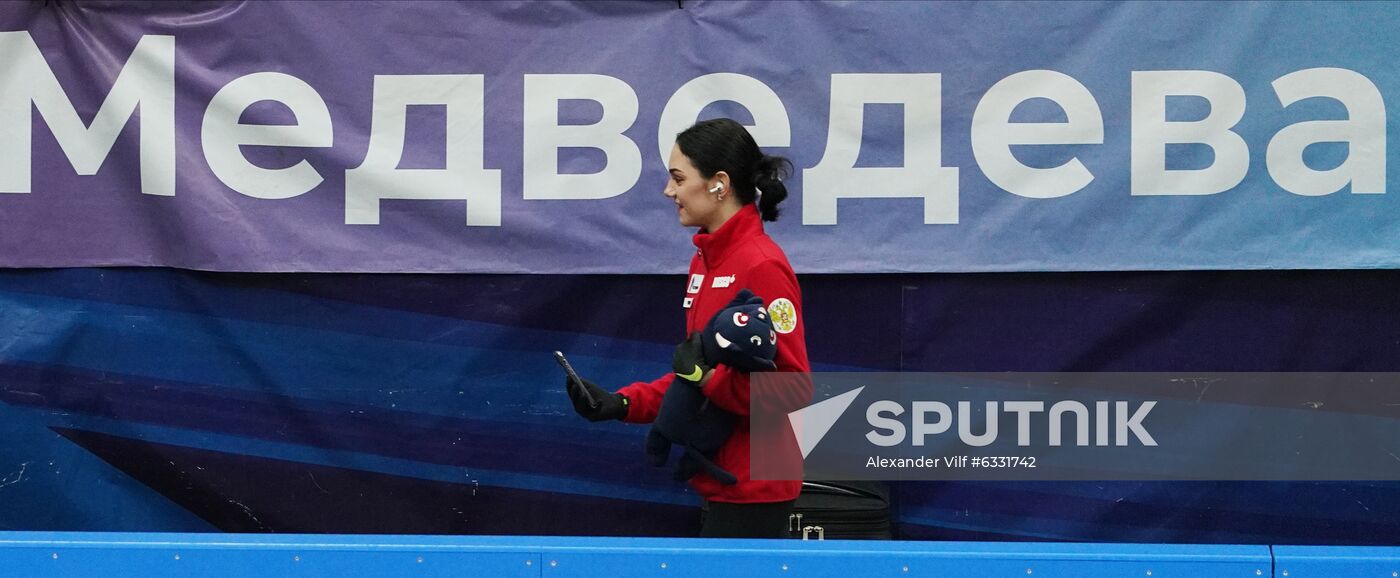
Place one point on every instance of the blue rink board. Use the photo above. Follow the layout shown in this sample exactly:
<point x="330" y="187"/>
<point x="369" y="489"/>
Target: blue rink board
<point x="1336" y="561"/>
<point x="150" y="555"/>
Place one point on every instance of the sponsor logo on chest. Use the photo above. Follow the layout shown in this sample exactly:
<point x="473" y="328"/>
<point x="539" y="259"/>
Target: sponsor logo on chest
<point x="695" y="281"/>
<point x="722" y="282"/>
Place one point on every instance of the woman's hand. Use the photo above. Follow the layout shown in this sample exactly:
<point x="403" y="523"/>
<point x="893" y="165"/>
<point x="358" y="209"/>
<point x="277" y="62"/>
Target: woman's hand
<point x="688" y="362"/>
<point x="595" y="403"/>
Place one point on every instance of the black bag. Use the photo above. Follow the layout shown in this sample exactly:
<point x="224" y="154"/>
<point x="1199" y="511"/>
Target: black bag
<point x="842" y="511"/>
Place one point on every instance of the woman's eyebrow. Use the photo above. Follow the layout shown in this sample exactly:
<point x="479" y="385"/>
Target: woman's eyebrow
<point x="677" y="172"/>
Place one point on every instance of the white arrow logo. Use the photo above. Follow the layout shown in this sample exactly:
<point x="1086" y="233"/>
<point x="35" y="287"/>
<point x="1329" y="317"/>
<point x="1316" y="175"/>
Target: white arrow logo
<point x="811" y="423"/>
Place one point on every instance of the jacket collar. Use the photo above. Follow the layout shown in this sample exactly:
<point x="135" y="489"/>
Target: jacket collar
<point x="714" y="247"/>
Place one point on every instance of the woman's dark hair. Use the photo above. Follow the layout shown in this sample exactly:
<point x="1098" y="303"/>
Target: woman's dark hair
<point x="724" y="145"/>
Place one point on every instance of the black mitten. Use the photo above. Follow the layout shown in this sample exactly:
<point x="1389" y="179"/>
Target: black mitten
<point x="593" y="402"/>
<point x="688" y="360"/>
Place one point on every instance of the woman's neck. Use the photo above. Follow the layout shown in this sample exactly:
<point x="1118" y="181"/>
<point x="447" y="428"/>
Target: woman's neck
<point x="722" y="216"/>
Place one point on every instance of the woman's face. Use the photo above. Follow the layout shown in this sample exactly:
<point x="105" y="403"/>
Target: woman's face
<point x="696" y="206"/>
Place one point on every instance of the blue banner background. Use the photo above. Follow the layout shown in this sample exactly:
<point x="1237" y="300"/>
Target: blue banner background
<point x="71" y="220"/>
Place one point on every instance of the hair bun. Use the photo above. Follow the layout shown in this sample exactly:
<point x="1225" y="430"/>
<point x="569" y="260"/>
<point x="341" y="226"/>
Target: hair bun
<point x="769" y="172"/>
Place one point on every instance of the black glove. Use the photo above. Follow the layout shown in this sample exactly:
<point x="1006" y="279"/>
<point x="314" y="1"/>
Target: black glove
<point x="688" y="361"/>
<point x="604" y="406"/>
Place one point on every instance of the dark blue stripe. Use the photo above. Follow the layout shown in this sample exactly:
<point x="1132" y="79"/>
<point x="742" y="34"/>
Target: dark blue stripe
<point x="434" y="439"/>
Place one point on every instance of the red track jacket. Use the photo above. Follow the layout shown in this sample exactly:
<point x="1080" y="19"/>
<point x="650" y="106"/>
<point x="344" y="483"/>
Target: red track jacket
<point x="736" y="256"/>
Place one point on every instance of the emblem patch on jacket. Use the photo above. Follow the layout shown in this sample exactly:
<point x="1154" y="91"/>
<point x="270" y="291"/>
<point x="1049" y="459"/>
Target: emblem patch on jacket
<point x="784" y="315"/>
<point x="695" y="281"/>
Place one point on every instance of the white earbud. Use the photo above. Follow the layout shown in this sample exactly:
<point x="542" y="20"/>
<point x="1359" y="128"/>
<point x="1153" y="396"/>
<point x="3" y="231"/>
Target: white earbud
<point x="717" y="188"/>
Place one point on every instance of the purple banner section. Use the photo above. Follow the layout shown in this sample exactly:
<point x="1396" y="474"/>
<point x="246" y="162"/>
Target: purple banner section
<point x="505" y="137"/>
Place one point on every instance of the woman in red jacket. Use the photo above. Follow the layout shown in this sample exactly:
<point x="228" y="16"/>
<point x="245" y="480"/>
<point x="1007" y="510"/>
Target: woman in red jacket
<point x="724" y="185"/>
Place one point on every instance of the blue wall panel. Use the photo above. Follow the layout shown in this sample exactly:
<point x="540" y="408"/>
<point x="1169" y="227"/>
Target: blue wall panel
<point x="427" y="404"/>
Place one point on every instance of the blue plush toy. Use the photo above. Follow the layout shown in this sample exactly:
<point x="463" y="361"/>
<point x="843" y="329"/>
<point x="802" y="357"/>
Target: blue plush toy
<point x="740" y="336"/>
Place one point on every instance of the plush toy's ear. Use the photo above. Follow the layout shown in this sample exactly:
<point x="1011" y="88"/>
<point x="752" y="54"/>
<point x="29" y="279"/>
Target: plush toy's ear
<point x="744" y="297"/>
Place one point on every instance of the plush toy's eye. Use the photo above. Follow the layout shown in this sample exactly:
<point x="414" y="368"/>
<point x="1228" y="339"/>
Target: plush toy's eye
<point x="758" y="341"/>
<point x="740" y="318"/>
<point x="773" y="336"/>
<point x="762" y="310"/>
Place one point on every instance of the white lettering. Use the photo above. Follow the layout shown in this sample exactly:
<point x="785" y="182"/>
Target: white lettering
<point x="873" y="415"/>
<point x="1134" y="423"/>
<point x="544" y="136"/>
<point x="1363" y="131"/>
<point x="965" y="424"/>
<point x="1101" y="423"/>
<point x="922" y="176"/>
<point x="1151" y="132"/>
<point x="1023" y="411"/>
<point x="1081" y="422"/>
<point x="147" y="79"/>
<point x="923" y="428"/>
<point x="222" y="134"/>
<point x="993" y="133"/>
<point x="464" y="177"/>
<point x="770" y="128"/>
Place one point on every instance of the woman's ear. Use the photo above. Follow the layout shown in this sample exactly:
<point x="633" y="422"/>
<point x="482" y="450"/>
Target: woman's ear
<point x="722" y="187"/>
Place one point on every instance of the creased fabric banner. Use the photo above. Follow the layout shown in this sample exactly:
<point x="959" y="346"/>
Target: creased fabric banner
<point x="532" y="137"/>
